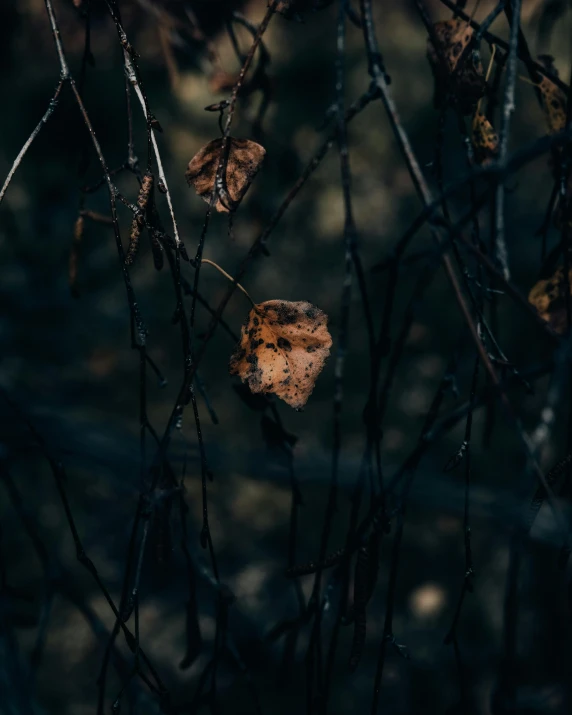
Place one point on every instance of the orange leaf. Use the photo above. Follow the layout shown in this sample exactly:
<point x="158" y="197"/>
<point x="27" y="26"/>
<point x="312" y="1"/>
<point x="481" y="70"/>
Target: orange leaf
<point x="243" y="162"/>
<point x="549" y="299"/>
<point x="282" y="349"/>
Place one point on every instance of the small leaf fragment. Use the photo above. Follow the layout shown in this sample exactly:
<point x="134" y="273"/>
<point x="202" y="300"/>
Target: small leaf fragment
<point x="549" y="298"/>
<point x="242" y="164"/>
<point x="485" y="139"/>
<point x="283" y="348"/>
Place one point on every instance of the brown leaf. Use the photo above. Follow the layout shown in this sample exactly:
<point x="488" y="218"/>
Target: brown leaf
<point x="453" y="36"/>
<point x="282" y="349"/>
<point x="243" y="163"/>
<point x="458" y="73"/>
<point x="554" y="105"/>
<point x="485" y="139"/>
<point x="549" y="299"/>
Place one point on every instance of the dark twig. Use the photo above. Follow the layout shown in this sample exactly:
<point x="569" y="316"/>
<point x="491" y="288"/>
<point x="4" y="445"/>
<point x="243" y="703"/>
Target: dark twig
<point x="499" y="239"/>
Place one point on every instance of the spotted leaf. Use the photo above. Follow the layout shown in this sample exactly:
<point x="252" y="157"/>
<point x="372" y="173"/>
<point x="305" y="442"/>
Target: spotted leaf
<point x="554" y="104"/>
<point x="243" y="161"/>
<point x="549" y="298"/>
<point x="485" y="139"/>
<point x="458" y="72"/>
<point x="283" y="348"/>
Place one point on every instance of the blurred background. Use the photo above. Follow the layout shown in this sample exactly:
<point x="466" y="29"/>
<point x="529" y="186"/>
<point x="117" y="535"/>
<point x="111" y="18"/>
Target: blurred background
<point x="67" y="363"/>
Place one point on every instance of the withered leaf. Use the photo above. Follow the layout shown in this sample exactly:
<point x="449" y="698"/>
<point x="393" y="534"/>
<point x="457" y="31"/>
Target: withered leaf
<point x="458" y="72"/>
<point x="453" y="36"/>
<point x="549" y="298"/>
<point x="283" y="348"/>
<point x="554" y="105"/>
<point x="485" y="139"/>
<point x="243" y="162"/>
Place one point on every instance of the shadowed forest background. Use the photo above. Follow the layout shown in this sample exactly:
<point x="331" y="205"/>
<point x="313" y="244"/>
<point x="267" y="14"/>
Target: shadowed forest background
<point x="241" y="638"/>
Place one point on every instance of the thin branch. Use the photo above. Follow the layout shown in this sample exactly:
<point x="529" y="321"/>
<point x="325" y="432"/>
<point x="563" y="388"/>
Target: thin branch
<point x="499" y="239"/>
<point x="18" y="160"/>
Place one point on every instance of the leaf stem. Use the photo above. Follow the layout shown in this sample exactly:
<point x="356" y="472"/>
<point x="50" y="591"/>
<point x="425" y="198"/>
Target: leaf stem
<point x="226" y="275"/>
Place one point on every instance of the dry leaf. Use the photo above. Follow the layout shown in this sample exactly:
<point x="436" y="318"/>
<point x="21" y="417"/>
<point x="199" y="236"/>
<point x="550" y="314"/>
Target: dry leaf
<point x="554" y="105"/>
<point x="462" y="82"/>
<point x="283" y="348"/>
<point x="549" y="299"/>
<point x="485" y="139"/>
<point x="243" y="163"/>
<point x="453" y="37"/>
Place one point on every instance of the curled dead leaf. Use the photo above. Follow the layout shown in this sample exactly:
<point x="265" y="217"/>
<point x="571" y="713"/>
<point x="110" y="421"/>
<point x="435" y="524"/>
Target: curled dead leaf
<point x="485" y="139"/>
<point x="283" y="348"/>
<point x="549" y="298"/>
<point x="458" y="72"/>
<point x="243" y="162"/>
